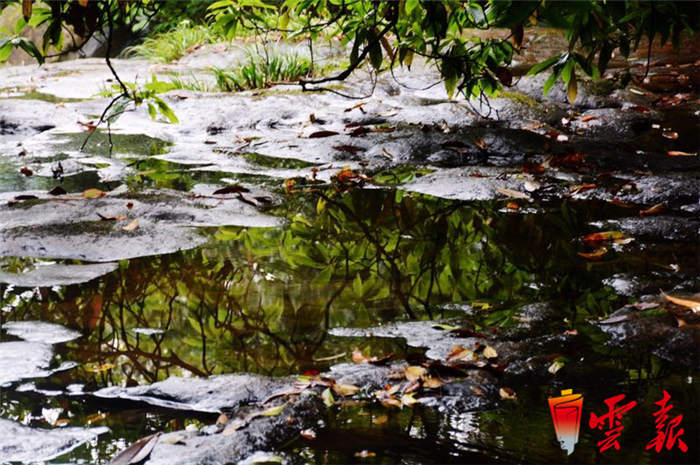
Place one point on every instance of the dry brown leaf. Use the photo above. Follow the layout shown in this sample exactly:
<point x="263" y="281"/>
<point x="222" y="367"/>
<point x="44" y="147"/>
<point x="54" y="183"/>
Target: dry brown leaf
<point x="345" y="389"/>
<point x="414" y="372"/>
<point x="317" y="134"/>
<point x="691" y="304"/>
<point x="670" y="135"/>
<point x="131" y="226"/>
<point x="512" y="206"/>
<point x="490" y="352"/>
<point x="381" y="420"/>
<point x="363" y="454"/>
<point x="587" y="118"/>
<point x="678" y="153"/>
<point x="513" y="194"/>
<point x="507" y="393"/>
<point x="432" y="383"/>
<point x="460" y="353"/>
<point x="308" y="434"/>
<point x="222" y="420"/>
<point x="93" y="193"/>
<point x="597" y="253"/>
<point x="26" y="171"/>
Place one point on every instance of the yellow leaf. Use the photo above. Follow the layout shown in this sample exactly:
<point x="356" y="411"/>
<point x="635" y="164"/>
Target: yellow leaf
<point x="432" y="383"/>
<point x="414" y="372"/>
<point x="93" y="194"/>
<point x="345" y="389"/>
<point x="572" y="89"/>
<point x="490" y="352"/>
<point x="408" y="399"/>
<point x="131" y="226"/>
<point x="381" y="420"/>
<point x="273" y="411"/>
<point x="327" y="397"/>
<point x="691" y="304"/>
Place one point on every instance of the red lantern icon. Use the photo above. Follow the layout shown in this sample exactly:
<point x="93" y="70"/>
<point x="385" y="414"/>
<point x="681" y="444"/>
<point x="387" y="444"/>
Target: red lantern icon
<point x="566" y="416"/>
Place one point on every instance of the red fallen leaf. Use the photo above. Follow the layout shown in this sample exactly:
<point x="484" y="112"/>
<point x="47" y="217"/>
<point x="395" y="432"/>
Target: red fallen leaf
<point x="318" y="134"/>
<point x="512" y="206"/>
<point x="670" y="135"/>
<point x="359" y="131"/>
<point x="587" y="118"/>
<point x="572" y="159"/>
<point x="597" y="253"/>
<point x="605" y="236"/>
<point x="232" y="189"/>
<point x="26" y="171"/>
<point x="533" y="168"/>
<point x="476" y="174"/>
<point x="111" y="217"/>
<point x="347" y="175"/>
<point x="349" y="148"/>
<point x="678" y="153"/>
<point x="640" y="109"/>
<point x="129" y="205"/>
<point x="359" y="357"/>
<point x="659" y="207"/>
<point x="582" y="187"/>
<point x="89" y="126"/>
<point x="310" y="373"/>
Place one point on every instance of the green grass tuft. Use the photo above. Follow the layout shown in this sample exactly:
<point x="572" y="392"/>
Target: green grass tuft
<point x="165" y="47"/>
<point x="259" y="72"/>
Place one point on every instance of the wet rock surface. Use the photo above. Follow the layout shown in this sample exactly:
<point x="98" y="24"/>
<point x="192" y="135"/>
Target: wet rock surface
<point x="537" y="162"/>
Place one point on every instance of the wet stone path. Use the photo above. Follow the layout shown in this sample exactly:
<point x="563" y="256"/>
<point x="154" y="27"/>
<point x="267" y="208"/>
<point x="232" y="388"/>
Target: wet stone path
<point x="292" y="277"/>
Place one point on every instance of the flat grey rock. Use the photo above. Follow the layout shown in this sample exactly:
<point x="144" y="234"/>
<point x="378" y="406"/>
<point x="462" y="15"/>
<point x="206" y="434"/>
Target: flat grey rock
<point x="57" y="274"/>
<point x="40" y="331"/>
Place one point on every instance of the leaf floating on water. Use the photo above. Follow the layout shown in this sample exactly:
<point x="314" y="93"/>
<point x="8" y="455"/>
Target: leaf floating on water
<point x="414" y="372"/>
<point x="308" y="434"/>
<point x="597" y="253"/>
<point x="93" y="194"/>
<point x="678" y="153"/>
<point x="507" y="393"/>
<point x="327" y="397"/>
<point x="691" y="304"/>
<point x="363" y="454"/>
<point x="318" y="134"/>
<point x="58" y="190"/>
<point x="131" y="226"/>
<point x="345" y="390"/>
<point x="359" y="357"/>
<point x="490" y="352"/>
<point x="673" y="135"/>
<point x="604" y="236"/>
<point x="137" y="452"/>
<point x="232" y="189"/>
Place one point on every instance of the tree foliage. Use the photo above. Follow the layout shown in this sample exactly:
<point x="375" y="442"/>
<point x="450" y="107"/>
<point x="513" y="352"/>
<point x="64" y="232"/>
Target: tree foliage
<point x="388" y="33"/>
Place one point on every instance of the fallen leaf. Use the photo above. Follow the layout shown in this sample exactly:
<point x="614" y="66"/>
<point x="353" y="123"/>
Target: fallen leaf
<point x="129" y="205"/>
<point x="678" y="153"/>
<point x="89" y="126"/>
<point x="659" y="207"/>
<point x="26" y="171"/>
<point x="581" y="187"/>
<point x="597" y="253"/>
<point x="318" y="134"/>
<point x="349" y="148"/>
<point x="571" y="332"/>
<point x="359" y="131"/>
<point x="232" y="189"/>
<point x="222" y="420"/>
<point x="432" y="383"/>
<point x="587" y="118"/>
<point x="490" y="352"/>
<point x="58" y="190"/>
<point x="358" y="106"/>
<point x="507" y="393"/>
<point x="137" y="452"/>
<point x="512" y="206"/>
<point x="604" y="236"/>
<point x="555" y="366"/>
<point x="24" y="197"/>
<point x="691" y="304"/>
<point x="414" y="372"/>
<point x="273" y="411"/>
<point x="408" y="399"/>
<point x="513" y="194"/>
<point x="308" y="434"/>
<point x="460" y="353"/>
<point x="327" y="397"/>
<point x="93" y="194"/>
<point x="111" y="217"/>
<point x="477" y="391"/>
<point x="481" y="143"/>
<point x="363" y="454"/>
<point x="289" y="186"/>
<point x="131" y="226"/>
<point x="640" y="109"/>
<point x="381" y="420"/>
<point x="670" y="135"/>
<point x="345" y="390"/>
